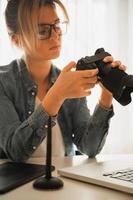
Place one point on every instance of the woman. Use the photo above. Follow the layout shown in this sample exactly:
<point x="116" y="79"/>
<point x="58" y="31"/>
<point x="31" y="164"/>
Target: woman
<point x="32" y="89"/>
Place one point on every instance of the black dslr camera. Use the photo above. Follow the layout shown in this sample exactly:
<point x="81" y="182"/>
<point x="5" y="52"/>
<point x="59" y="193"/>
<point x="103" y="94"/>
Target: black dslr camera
<point x="119" y="83"/>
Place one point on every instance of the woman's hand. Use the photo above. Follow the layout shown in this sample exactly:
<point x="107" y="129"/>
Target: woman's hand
<point x="115" y="63"/>
<point x="75" y="84"/>
<point x="106" y="95"/>
<point x="70" y="84"/>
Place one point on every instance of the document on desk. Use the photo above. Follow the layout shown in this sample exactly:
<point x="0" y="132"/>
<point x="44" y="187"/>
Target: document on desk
<point x="13" y="174"/>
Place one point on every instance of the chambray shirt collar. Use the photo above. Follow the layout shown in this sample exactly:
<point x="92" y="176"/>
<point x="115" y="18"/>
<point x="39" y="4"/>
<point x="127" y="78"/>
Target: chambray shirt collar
<point x="28" y="81"/>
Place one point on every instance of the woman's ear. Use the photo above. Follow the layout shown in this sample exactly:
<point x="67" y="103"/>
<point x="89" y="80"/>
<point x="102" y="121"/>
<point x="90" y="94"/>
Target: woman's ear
<point x="16" y="40"/>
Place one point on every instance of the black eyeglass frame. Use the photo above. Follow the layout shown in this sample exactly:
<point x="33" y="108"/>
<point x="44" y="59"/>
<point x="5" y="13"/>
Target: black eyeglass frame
<point x="57" y="27"/>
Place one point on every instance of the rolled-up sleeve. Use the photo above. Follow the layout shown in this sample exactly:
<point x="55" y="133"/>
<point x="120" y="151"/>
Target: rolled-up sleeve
<point x="37" y="119"/>
<point x="90" y="131"/>
<point x="18" y="139"/>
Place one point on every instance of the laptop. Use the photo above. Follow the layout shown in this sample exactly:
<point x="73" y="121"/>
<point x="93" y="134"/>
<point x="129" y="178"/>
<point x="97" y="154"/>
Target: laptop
<point x="114" y="174"/>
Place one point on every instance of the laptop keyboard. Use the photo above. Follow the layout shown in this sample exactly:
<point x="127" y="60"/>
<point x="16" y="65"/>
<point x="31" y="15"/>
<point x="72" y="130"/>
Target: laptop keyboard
<point x="125" y="175"/>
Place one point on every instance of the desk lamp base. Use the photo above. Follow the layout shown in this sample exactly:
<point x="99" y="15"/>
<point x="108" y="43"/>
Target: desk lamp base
<point x="48" y="183"/>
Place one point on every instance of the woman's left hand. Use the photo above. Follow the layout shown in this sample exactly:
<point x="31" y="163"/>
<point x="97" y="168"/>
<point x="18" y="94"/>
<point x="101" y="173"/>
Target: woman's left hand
<point x="116" y="63"/>
<point x="106" y="95"/>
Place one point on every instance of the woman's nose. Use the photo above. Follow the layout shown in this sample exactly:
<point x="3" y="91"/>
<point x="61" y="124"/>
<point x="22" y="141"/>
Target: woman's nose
<point x="54" y="34"/>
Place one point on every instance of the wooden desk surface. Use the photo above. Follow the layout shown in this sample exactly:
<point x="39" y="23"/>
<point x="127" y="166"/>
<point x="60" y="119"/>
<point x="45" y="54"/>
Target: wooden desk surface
<point x="72" y="189"/>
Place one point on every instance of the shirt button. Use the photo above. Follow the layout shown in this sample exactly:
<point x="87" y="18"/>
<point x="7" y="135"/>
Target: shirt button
<point x="46" y="126"/>
<point x="34" y="147"/>
<point x="29" y="112"/>
<point x="33" y="93"/>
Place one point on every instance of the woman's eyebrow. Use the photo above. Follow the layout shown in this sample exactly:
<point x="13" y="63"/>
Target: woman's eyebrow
<point x="43" y="23"/>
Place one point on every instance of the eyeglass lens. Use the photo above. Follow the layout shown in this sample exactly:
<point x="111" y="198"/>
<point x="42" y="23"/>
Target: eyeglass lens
<point x="45" y="30"/>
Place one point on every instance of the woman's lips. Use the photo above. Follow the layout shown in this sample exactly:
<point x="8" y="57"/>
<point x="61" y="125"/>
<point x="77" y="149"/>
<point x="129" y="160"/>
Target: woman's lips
<point x="55" y="47"/>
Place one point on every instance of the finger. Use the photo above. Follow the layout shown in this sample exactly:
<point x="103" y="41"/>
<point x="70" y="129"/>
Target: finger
<point x="88" y="73"/>
<point x="116" y="63"/>
<point x="123" y="67"/>
<point x="89" y="86"/>
<point x="87" y="92"/>
<point x="70" y="66"/>
<point x="108" y="59"/>
<point x="90" y="80"/>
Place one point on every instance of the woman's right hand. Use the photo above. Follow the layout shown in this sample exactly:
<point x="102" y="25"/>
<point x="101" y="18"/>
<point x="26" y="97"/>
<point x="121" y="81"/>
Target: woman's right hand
<point x="70" y="84"/>
<point x="75" y="84"/>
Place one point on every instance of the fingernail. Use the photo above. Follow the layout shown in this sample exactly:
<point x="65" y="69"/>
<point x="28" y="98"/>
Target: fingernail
<point x="105" y="59"/>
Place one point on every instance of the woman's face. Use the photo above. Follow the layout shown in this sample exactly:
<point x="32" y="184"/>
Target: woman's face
<point x="48" y="48"/>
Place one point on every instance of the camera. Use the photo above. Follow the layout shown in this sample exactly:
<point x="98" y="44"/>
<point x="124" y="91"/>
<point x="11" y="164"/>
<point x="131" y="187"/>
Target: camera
<point x="118" y="82"/>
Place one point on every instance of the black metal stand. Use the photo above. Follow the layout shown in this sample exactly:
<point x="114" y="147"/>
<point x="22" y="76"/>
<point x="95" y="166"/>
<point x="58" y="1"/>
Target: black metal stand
<point x="47" y="182"/>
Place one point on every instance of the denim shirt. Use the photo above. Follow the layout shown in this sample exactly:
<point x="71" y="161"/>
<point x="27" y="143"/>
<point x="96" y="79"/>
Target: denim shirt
<point x="22" y="128"/>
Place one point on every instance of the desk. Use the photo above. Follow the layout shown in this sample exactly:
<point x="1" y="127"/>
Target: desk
<point x="72" y="189"/>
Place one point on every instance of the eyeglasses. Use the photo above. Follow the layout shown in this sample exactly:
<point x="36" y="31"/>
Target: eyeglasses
<point x="45" y="30"/>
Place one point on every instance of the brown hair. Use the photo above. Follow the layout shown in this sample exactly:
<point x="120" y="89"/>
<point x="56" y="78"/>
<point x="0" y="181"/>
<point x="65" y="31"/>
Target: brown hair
<point x="21" y="18"/>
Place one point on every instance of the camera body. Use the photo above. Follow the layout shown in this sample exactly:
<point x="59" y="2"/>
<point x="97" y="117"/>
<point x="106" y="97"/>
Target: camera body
<point x="92" y="62"/>
<point x="119" y="83"/>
